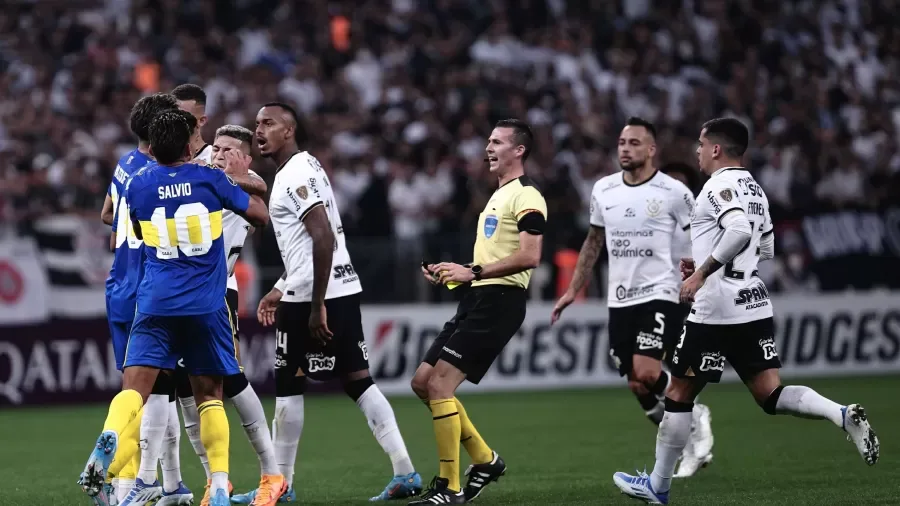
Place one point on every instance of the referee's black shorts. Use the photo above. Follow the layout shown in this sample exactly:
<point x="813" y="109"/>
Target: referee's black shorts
<point x="486" y="319"/>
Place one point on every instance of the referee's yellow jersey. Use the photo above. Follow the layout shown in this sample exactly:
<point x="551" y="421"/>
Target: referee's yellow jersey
<point x="509" y="212"/>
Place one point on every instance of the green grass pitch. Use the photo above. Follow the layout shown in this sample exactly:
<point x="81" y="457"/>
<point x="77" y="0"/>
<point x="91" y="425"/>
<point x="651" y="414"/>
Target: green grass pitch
<point x="561" y="447"/>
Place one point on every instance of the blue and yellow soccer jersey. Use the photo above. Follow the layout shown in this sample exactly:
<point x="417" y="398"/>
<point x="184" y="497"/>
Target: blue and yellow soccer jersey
<point x="179" y="210"/>
<point x="121" y="285"/>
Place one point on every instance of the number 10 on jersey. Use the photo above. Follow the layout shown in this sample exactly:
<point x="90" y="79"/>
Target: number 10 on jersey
<point x="191" y="231"/>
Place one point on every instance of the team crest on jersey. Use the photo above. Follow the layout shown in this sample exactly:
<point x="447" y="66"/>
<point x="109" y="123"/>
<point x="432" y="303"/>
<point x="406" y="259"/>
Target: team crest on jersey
<point x="725" y="194"/>
<point x="490" y="225"/>
<point x="653" y="207"/>
<point x="302" y="192"/>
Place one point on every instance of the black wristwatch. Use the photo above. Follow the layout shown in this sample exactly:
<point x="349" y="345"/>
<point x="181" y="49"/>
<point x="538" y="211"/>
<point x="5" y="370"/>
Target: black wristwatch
<point x="476" y="270"/>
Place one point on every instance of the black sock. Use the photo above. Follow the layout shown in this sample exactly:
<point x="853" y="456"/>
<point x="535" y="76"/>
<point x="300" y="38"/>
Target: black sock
<point x="659" y="388"/>
<point x="653" y="407"/>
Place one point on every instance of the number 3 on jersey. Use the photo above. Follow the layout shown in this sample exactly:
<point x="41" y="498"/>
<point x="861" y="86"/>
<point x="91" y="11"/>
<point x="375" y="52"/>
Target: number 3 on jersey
<point x="191" y="230"/>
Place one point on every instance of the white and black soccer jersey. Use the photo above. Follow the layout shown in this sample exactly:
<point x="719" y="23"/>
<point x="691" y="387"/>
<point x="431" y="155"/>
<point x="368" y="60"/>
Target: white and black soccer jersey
<point x="300" y="186"/>
<point x="642" y="225"/>
<point x="234" y="231"/>
<point x="205" y="154"/>
<point x="735" y="293"/>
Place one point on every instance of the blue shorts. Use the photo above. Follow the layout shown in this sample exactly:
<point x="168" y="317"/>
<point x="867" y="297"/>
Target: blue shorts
<point x="119" y="331"/>
<point x="205" y="343"/>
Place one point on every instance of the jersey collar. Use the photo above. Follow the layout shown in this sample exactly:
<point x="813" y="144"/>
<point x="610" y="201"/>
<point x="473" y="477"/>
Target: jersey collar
<point x="200" y="150"/>
<point x="286" y="161"/>
<point x="723" y="169"/>
<point x="626" y="183"/>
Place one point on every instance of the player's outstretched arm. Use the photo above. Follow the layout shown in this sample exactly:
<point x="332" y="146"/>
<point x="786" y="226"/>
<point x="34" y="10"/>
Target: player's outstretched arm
<point x="257" y="214"/>
<point x="107" y="214"/>
<point x="254" y="185"/>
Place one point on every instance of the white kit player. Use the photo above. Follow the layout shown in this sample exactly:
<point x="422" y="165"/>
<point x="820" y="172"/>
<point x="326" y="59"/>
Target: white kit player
<point x="642" y="215"/>
<point x="230" y="151"/>
<point x="315" y="306"/>
<point x="731" y="316"/>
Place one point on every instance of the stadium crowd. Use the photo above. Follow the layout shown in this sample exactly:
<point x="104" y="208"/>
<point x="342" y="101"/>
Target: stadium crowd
<point x="398" y="97"/>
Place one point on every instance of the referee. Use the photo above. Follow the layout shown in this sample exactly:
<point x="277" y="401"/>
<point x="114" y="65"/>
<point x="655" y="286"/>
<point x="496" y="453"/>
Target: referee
<point x="507" y="248"/>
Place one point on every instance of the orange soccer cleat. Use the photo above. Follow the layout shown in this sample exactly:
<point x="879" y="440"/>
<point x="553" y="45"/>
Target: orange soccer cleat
<point x="271" y="488"/>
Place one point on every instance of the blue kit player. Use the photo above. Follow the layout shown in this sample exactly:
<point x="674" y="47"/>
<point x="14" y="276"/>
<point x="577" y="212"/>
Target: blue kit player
<point x="176" y="209"/>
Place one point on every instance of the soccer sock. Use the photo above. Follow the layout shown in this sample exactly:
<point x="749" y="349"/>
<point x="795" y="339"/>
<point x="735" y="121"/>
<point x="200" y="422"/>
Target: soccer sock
<point x="215" y="436"/>
<point x="445" y="418"/>
<point x="671" y="439"/>
<point x="171" y="456"/>
<point x="125" y="486"/>
<point x="383" y="423"/>
<point x="804" y="402"/>
<point x="127" y="460"/>
<point x="287" y="427"/>
<point x="471" y="440"/>
<point x="192" y="427"/>
<point x="253" y="419"/>
<point x="153" y="429"/>
<point x="124" y="408"/>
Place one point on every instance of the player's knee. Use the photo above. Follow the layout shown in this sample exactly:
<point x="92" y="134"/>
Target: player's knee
<point x="234" y="385"/>
<point x="770" y="403"/>
<point x="288" y="384"/>
<point x="356" y="388"/>
<point x="637" y="387"/>
<point x="438" y="387"/>
<point x="419" y="384"/>
<point x="646" y="377"/>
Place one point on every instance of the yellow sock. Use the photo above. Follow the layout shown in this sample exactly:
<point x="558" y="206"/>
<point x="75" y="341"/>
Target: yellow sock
<point x="214" y="435"/>
<point x="445" y="418"/>
<point x="470" y="438"/>
<point x="127" y="451"/>
<point x="124" y="408"/>
<point x="129" y="471"/>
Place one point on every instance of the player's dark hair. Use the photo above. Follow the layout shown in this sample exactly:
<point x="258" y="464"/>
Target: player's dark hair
<point x="522" y="134"/>
<point x="188" y="91"/>
<point x="299" y="131"/>
<point x="641" y="122"/>
<point x="170" y="134"/>
<point x="236" y="132"/>
<point x="730" y="133"/>
<point x="145" y="110"/>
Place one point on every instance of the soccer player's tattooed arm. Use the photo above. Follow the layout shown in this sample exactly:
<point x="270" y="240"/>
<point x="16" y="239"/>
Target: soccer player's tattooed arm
<point x="587" y="257"/>
<point x="319" y="229"/>
<point x="710" y="266"/>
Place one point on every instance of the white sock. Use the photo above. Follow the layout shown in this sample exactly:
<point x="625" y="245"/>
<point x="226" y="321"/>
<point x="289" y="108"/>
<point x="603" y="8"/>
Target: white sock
<point x="125" y="486"/>
<point x="804" y="402"/>
<point x="253" y="419"/>
<point x="384" y="427"/>
<point x="287" y="427"/>
<point x="192" y="427"/>
<point x="153" y="430"/>
<point x="171" y="456"/>
<point x="219" y="481"/>
<point x="674" y="431"/>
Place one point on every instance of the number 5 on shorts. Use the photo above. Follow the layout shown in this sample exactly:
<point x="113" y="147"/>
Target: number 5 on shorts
<point x="661" y="324"/>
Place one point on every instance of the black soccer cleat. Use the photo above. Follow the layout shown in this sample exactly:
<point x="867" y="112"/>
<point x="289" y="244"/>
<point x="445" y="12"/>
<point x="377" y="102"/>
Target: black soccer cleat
<point x="481" y="475"/>
<point x="438" y="493"/>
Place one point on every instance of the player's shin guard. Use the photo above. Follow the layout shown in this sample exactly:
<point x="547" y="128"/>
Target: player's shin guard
<point x="215" y="435"/>
<point x="803" y="402"/>
<point x="471" y="440"/>
<point x="153" y="430"/>
<point x="382" y="422"/>
<point x="674" y="431"/>
<point x="445" y="418"/>
<point x="124" y="408"/>
<point x="192" y="428"/>
<point x="170" y="462"/>
<point x="253" y="419"/>
<point x="287" y="425"/>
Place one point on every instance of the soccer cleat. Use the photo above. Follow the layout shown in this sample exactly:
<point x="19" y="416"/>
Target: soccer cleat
<point x="639" y="487"/>
<point x="143" y="494"/>
<point x="438" y="493"/>
<point x="697" y="453"/>
<point x="93" y="478"/>
<point x="220" y="499"/>
<point x="271" y="488"/>
<point x="206" y="498"/>
<point x="180" y="497"/>
<point x="690" y="464"/>
<point x="289" y="496"/>
<point x="860" y="433"/>
<point x="401" y="487"/>
<point x="481" y="475"/>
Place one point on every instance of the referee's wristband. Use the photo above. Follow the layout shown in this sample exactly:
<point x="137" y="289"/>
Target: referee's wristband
<point x="280" y="285"/>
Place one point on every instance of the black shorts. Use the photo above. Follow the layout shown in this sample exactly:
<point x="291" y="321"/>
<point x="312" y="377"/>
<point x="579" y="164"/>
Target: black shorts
<point x="295" y="347"/>
<point x="649" y="329"/>
<point x="182" y="384"/>
<point x="703" y="349"/>
<point x="486" y="319"/>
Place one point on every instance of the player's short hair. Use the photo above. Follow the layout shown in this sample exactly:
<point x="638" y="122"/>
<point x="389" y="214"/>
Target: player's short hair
<point x="299" y="130"/>
<point x="236" y="132"/>
<point x="145" y="110"/>
<point x="188" y="91"/>
<point x="641" y="122"/>
<point x="521" y="135"/>
<point x="730" y="133"/>
<point x="170" y="134"/>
